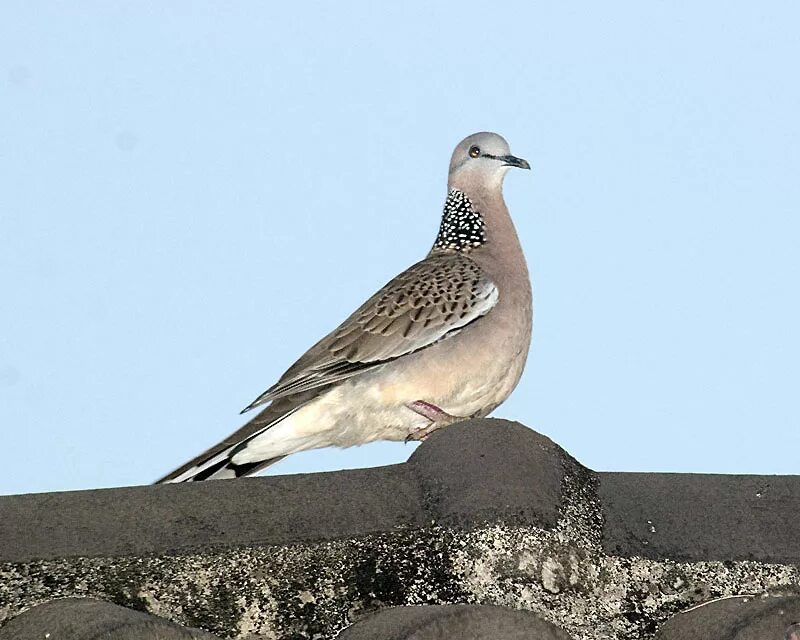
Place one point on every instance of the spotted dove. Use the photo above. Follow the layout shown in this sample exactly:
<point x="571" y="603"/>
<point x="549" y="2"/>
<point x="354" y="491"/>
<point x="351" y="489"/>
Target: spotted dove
<point x="444" y="341"/>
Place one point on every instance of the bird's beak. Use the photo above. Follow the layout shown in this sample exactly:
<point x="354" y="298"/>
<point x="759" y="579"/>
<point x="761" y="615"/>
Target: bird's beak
<point x="513" y="161"/>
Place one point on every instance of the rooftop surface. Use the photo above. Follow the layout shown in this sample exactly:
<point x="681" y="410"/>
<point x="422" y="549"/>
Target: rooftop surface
<point x="484" y="513"/>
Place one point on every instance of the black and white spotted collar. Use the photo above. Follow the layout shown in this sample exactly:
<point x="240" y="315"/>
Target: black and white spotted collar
<point x="462" y="226"/>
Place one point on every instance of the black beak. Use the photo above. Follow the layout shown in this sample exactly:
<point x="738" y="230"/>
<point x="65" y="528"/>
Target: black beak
<point x="513" y="161"/>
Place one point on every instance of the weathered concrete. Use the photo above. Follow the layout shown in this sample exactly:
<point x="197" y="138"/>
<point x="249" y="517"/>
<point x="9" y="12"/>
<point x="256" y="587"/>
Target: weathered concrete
<point x="502" y="472"/>
<point x="89" y="619"/>
<point x="486" y="512"/>
<point x="171" y="518"/>
<point x="682" y="516"/>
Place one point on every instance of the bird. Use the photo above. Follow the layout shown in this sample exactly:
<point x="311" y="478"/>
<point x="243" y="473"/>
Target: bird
<point x="445" y="341"/>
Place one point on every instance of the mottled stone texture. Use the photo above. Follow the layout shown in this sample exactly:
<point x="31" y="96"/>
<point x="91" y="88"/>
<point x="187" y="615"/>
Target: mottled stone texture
<point x="484" y="513"/>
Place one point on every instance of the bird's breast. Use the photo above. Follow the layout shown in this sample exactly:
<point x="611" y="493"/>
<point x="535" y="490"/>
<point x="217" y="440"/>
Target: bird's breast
<point x="468" y="374"/>
<point x="465" y="374"/>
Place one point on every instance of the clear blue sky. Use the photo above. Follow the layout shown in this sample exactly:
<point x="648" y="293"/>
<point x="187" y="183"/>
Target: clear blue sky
<point x="191" y="194"/>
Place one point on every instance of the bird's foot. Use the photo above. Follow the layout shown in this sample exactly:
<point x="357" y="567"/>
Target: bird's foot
<point x="439" y="418"/>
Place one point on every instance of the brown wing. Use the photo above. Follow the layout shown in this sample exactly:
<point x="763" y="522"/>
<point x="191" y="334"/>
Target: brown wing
<point x="429" y="302"/>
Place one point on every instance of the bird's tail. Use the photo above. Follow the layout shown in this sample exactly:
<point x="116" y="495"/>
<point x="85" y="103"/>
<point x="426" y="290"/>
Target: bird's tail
<point x="222" y="469"/>
<point x="216" y="463"/>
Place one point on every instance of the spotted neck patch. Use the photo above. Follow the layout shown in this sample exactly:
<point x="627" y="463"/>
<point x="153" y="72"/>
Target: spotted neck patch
<point x="462" y="226"/>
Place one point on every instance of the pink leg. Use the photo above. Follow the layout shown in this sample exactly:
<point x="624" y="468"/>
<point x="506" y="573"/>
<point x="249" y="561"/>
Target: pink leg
<point x="438" y="417"/>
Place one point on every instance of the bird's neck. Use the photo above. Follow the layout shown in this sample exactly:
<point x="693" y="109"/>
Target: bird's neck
<point x="474" y="217"/>
<point x="498" y="252"/>
<point x="462" y="227"/>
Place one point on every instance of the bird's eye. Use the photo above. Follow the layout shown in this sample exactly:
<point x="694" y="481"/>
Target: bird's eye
<point x="474" y="152"/>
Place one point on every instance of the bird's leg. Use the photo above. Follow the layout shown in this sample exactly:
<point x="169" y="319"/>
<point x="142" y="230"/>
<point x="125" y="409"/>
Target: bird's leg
<point x="439" y="418"/>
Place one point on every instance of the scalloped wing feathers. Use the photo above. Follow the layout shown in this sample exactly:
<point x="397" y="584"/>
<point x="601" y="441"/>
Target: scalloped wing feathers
<point x="427" y="303"/>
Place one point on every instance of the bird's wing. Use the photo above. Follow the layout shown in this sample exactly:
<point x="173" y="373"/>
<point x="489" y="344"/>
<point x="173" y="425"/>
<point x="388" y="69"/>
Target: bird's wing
<point x="429" y="302"/>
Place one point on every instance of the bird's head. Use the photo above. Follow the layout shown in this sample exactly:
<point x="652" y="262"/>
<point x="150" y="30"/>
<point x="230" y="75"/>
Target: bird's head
<point x="482" y="159"/>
